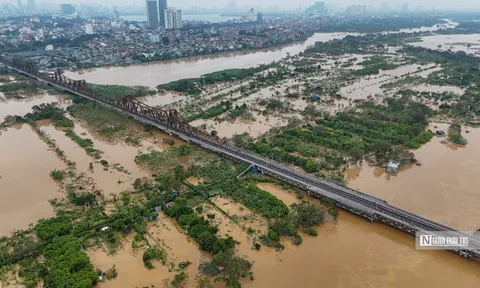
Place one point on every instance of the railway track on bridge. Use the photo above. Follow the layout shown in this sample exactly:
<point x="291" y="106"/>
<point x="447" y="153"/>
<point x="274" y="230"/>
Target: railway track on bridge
<point x="372" y="208"/>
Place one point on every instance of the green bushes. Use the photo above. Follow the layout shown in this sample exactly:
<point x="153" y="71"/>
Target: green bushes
<point x="47" y="229"/>
<point x="119" y="91"/>
<point x="178" y="280"/>
<point x="198" y="228"/>
<point x="68" y="265"/>
<point x="454" y="132"/>
<point x="57" y="175"/>
<point x="306" y="215"/>
<point x="44" y="112"/>
<point x="212" y="112"/>
<point x="85" y="143"/>
<point x="156" y="253"/>
<point x="30" y="271"/>
<point x="224" y="179"/>
<point x="82" y="199"/>
<point x="418" y="141"/>
<point x="192" y="85"/>
<point x="188" y="86"/>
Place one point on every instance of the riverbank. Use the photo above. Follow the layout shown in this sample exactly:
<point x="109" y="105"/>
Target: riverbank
<point x="156" y="73"/>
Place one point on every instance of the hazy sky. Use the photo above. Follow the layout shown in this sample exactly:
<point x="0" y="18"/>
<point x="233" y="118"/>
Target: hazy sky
<point x="280" y="3"/>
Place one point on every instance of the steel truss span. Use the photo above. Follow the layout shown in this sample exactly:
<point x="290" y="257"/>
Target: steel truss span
<point x="170" y="121"/>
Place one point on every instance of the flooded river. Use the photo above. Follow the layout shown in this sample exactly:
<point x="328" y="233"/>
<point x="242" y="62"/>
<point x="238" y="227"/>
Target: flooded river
<point x="356" y="253"/>
<point x="350" y="253"/>
<point x="24" y="106"/>
<point x="444" y="188"/>
<point x="153" y="74"/>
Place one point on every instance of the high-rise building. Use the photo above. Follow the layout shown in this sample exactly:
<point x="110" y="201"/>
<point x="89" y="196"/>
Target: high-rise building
<point x="67" y="9"/>
<point x="251" y="16"/>
<point x="318" y="9"/>
<point x="20" y="6"/>
<point x="260" y="18"/>
<point x="173" y="18"/>
<point x="31" y="5"/>
<point x="116" y="15"/>
<point x="162" y="6"/>
<point x="89" y="28"/>
<point x="152" y="14"/>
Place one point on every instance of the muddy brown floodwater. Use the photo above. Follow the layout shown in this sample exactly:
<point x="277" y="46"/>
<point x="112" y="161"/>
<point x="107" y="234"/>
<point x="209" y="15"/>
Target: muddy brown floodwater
<point x="23" y="106"/>
<point x="156" y="73"/>
<point x="444" y="188"/>
<point x="25" y="184"/>
<point x="357" y="253"/>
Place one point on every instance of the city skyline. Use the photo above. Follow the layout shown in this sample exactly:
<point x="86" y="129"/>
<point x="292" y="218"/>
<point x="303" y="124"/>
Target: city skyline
<point x="440" y="4"/>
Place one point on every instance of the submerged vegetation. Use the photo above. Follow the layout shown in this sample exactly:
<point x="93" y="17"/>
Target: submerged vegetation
<point x="379" y="130"/>
<point x="42" y="112"/>
<point x="118" y="91"/>
<point x="107" y="123"/>
<point x="193" y="86"/>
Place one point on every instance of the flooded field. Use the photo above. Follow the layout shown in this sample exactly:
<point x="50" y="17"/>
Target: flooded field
<point x="370" y="86"/>
<point x="438" y="89"/>
<point x="444" y="188"/>
<point x="163" y="99"/>
<point x="110" y="181"/>
<point x="350" y="252"/>
<point x="129" y="264"/>
<point x="468" y="43"/>
<point x="254" y="128"/>
<point x="24" y="106"/>
<point x="26" y="187"/>
<point x="153" y="74"/>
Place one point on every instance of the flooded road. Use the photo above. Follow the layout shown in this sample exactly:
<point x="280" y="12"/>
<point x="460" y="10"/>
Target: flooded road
<point x="25" y="183"/>
<point x="444" y="188"/>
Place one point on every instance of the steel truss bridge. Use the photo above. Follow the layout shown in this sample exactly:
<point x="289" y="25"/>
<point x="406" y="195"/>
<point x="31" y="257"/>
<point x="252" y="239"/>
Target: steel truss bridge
<point x="170" y="121"/>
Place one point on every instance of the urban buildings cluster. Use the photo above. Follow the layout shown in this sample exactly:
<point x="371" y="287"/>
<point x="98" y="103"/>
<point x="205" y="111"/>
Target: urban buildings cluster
<point x="74" y="44"/>
<point x="160" y="15"/>
<point x="71" y="42"/>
